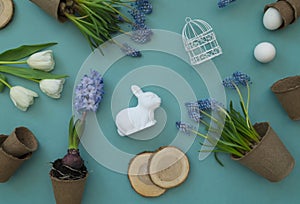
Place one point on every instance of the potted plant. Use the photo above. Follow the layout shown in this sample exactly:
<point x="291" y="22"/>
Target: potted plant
<point x="256" y="146"/>
<point x="287" y="91"/>
<point x="69" y="174"/>
<point x="14" y="150"/>
<point x="98" y="20"/>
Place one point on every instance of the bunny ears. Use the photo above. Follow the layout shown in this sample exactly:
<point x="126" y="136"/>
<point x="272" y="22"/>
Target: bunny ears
<point x="136" y="90"/>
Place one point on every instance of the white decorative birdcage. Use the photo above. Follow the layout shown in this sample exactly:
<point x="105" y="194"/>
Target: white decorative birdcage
<point x="200" y="41"/>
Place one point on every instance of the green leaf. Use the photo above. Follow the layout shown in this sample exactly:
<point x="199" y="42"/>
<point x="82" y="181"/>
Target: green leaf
<point x="2" y="86"/>
<point x="79" y="128"/>
<point x="76" y="129"/>
<point x="29" y="73"/>
<point x="71" y="132"/>
<point x="23" y="51"/>
<point x="217" y="159"/>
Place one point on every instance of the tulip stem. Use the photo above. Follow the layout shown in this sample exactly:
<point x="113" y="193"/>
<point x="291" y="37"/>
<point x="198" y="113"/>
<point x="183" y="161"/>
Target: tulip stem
<point x="13" y="62"/>
<point x="5" y="83"/>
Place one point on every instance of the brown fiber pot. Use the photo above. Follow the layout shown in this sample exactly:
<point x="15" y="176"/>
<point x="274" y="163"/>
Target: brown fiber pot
<point x="20" y="142"/>
<point x="8" y="163"/>
<point x="68" y="191"/>
<point x="295" y="4"/>
<point x="286" y="11"/>
<point x="269" y="158"/>
<point x="287" y="91"/>
<point x="51" y="7"/>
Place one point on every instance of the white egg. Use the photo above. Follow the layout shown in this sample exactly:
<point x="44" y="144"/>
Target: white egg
<point x="264" y="52"/>
<point x="272" y="19"/>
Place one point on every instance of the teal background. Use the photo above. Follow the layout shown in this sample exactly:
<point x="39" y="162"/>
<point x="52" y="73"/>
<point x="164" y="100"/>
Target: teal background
<point x="238" y="28"/>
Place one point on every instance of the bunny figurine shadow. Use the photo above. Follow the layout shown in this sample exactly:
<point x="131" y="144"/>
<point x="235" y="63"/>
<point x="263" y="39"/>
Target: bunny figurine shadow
<point x="134" y="119"/>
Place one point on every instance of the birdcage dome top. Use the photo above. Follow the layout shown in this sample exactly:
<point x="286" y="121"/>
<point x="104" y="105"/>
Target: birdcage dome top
<point x="194" y="28"/>
<point x="199" y="41"/>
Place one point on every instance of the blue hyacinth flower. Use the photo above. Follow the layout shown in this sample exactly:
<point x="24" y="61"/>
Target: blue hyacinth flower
<point x="223" y="3"/>
<point x="89" y="92"/>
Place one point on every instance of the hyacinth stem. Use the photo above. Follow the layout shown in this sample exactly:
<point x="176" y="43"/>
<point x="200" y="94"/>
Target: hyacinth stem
<point x="117" y="11"/>
<point x="97" y="20"/>
<point x="226" y="145"/>
<point x="13" y="62"/>
<point x="248" y="96"/>
<point x="125" y="32"/>
<point x="199" y="134"/>
<point x="5" y="83"/>
<point x="86" y="32"/>
<point x="116" y="43"/>
<point x="245" y="108"/>
<point x="204" y="123"/>
<point x="80" y="129"/>
<point x="220" y="124"/>
<point x="208" y="115"/>
<point x="106" y="6"/>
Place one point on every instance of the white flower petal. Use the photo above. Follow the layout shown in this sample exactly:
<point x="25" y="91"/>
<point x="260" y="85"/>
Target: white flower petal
<point x="22" y="97"/>
<point x="52" y="87"/>
<point x="42" y="61"/>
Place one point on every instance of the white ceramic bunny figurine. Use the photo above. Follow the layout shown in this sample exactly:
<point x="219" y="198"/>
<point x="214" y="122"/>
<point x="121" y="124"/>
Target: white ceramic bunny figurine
<point x="131" y="120"/>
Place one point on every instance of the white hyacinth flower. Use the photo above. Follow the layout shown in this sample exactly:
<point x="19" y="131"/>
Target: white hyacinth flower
<point x="42" y="61"/>
<point x="52" y="87"/>
<point x="22" y="97"/>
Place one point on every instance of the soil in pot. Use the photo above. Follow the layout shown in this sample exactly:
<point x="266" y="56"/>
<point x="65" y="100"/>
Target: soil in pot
<point x="68" y="183"/>
<point x="63" y="172"/>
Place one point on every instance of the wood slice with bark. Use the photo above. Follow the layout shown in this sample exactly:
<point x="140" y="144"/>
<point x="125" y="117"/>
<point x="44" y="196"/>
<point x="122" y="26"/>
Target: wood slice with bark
<point x="168" y="167"/>
<point x="139" y="177"/>
<point x="6" y="12"/>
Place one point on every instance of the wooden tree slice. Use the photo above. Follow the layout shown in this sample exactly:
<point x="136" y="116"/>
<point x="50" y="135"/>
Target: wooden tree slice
<point x="168" y="167"/>
<point x="6" y="12"/>
<point x="139" y="177"/>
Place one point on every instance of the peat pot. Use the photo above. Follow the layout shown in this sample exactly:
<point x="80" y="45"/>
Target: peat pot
<point x="68" y="191"/>
<point x="269" y="158"/>
<point x="287" y="91"/>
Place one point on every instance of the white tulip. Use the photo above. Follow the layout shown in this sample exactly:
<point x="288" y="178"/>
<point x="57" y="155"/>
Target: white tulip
<point x="22" y="97"/>
<point x="42" y="61"/>
<point x="52" y="87"/>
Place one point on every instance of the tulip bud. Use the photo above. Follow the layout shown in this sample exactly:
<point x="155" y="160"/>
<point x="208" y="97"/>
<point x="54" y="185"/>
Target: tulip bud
<point x="22" y="97"/>
<point x="42" y="61"/>
<point x="52" y="87"/>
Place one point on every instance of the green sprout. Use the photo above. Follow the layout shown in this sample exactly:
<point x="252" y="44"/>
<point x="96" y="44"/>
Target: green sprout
<point x="237" y="134"/>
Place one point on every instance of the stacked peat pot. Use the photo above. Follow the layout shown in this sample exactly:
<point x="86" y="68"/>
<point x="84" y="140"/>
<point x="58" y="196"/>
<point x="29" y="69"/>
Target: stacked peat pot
<point x="287" y="91"/>
<point x="288" y="9"/>
<point x="14" y="150"/>
<point x="151" y="174"/>
<point x="55" y="8"/>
